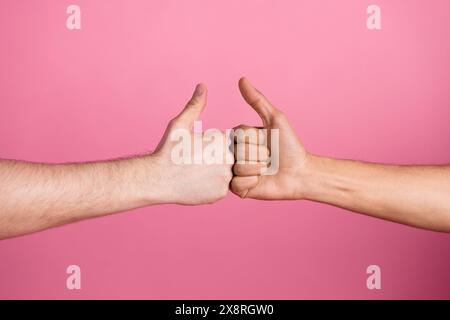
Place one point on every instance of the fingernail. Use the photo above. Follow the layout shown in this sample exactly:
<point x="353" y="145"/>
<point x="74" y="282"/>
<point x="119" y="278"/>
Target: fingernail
<point x="199" y="90"/>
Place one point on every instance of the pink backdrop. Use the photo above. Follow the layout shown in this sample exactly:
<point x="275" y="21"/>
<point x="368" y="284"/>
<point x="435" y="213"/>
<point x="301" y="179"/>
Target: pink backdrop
<point x="109" y="90"/>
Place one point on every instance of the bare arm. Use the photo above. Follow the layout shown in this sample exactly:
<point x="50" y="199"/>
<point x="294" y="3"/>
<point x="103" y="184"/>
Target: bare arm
<point x="413" y="195"/>
<point x="36" y="196"/>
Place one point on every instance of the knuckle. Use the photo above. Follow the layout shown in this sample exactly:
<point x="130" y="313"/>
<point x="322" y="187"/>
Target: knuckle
<point x="193" y="102"/>
<point x="277" y="114"/>
<point x="242" y="194"/>
<point x="174" y="122"/>
<point x="224" y="192"/>
<point x="235" y="187"/>
<point x="228" y="175"/>
<point x="256" y="102"/>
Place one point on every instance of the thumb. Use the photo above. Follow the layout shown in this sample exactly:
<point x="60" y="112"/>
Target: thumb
<point x="257" y="101"/>
<point x="194" y="107"/>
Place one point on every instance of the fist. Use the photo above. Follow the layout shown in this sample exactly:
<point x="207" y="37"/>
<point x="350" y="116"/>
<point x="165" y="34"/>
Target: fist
<point x="269" y="166"/>
<point x="196" y="167"/>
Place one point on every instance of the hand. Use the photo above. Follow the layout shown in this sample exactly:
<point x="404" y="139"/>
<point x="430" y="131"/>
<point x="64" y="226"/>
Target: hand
<point x="193" y="183"/>
<point x="249" y="182"/>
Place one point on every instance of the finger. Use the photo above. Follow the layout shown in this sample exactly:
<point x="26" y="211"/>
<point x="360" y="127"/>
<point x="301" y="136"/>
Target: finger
<point x="252" y="135"/>
<point x="194" y="107"/>
<point x="241" y="185"/>
<point x="249" y="169"/>
<point x="245" y="152"/>
<point x="261" y="193"/>
<point x="256" y="100"/>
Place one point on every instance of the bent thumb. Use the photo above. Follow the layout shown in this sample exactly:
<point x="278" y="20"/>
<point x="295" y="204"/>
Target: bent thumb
<point x="257" y="101"/>
<point x="194" y="107"/>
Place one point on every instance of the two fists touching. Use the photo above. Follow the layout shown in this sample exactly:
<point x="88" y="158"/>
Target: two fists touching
<point x="267" y="162"/>
<point x="259" y="168"/>
<point x="37" y="196"/>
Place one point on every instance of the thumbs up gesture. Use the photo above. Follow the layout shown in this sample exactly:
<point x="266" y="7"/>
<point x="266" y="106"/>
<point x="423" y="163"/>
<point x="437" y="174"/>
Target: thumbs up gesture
<point x="187" y="175"/>
<point x="280" y="156"/>
<point x="272" y="172"/>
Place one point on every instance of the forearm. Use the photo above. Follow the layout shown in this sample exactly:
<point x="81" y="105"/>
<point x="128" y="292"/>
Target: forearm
<point x="413" y="195"/>
<point x="38" y="196"/>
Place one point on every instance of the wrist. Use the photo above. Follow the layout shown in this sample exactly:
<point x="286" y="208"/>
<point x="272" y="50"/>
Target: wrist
<point x="157" y="178"/>
<point x="327" y="180"/>
<point x="308" y="180"/>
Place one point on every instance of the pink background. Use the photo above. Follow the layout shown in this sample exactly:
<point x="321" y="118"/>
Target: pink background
<point x="110" y="89"/>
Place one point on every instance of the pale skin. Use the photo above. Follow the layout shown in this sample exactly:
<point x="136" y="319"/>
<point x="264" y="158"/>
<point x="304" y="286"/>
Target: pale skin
<point x="413" y="195"/>
<point x="35" y="197"/>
